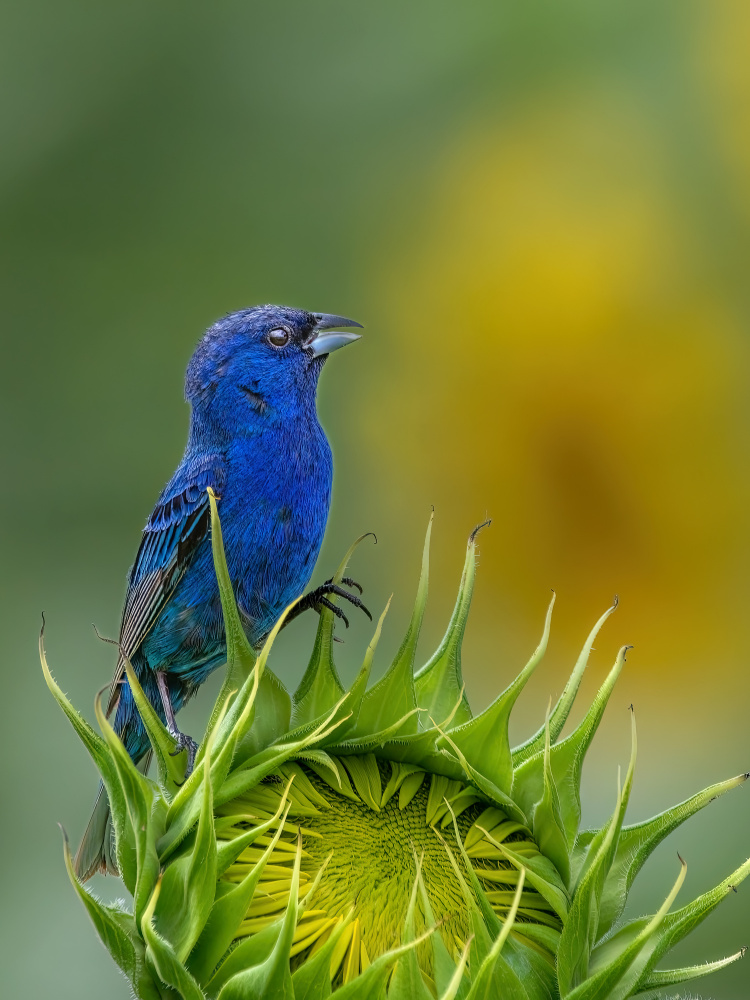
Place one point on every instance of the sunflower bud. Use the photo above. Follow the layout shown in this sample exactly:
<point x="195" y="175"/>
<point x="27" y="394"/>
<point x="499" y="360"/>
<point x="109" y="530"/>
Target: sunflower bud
<point x="381" y="840"/>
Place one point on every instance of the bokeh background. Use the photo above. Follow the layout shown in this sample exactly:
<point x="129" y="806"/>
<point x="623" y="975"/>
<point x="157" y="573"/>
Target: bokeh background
<point x="541" y="212"/>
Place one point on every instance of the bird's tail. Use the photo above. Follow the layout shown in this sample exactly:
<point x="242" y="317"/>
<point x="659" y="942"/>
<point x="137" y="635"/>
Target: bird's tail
<point x="96" y="853"/>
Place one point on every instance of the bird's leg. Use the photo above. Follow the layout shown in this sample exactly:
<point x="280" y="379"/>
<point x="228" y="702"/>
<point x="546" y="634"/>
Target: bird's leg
<point x="318" y="599"/>
<point x="183" y="741"/>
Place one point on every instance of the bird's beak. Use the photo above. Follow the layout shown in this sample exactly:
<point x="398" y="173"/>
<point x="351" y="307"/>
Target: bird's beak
<point x="325" y="343"/>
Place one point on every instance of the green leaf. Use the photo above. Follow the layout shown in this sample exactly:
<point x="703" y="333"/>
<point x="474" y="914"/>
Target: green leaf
<point x="161" y="953"/>
<point x="232" y="724"/>
<point x="117" y="932"/>
<point x="393" y="698"/>
<point x="321" y="687"/>
<point x="484" y="741"/>
<point x="241" y="659"/>
<point x="188" y="885"/>
<point x="673" y="929"/>
<point x="240" y="654"/>
<point x="271" y="978"/>
<point x="482" y="922"/>
<point x="407" y="982"/>
<point x="449" y="978"/>
<point x="253" y="771"/>
<point x="235" y="680"/>
<point x="227" y="853"/>
<point x="239" y="650"/>
<point x="369" y="984"/>
<point x="619" y="979"/>
<point x="454" y="988"/>
<point x="252" y="950"/>
<point x="520" y="963"/>
<point x="171" y="770"/>
<point x="138" y="814"/>
<point x="273" y="708"/>
<point x="312" y="980"/>
<point x="352" y="704"/>
<point x="566" y="762"/>
<point x="562" y="709"/>
<point x="493" y="793"/>
<point x="423" y="750"/>
<point x="441" y="790"/>
<point x="672" y="977"/>
<point x="409" y="787"/>
<point x="541" y="874"/>
<point x="303" y="789"/>
<point x="548" y="827"/>
<point x="579" y="933"/>
<point x="95" y="745"/>
<point x="227" y="913"/>
<point x="440" y="682"/>
<point x="639" y="841"/>
<point x="372" y="741"/>
<point x="520" y="966"/>
<point x="495" y="978"/>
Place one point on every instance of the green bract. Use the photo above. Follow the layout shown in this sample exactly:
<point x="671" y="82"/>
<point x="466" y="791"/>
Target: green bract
<point x="381" y="841"/>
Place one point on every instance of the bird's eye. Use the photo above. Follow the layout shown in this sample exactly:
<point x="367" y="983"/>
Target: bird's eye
<point x="278" y="337"/>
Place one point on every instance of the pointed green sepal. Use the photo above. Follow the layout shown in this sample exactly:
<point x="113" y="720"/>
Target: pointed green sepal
<point x="138" y="819"/>
<point x="117" y="932"/>
<point x="440" y="682"/>
<point x="547" y="822"/>
<point x="188" y="885"/>
<point x="393" y="697"/>
<point x="369" y="984"/>
<point x="95" y="745"/>
<point x="407" y="982"/>
<point x="673" y="977"/>
<point x="171" y="770"/>
<point x="673" y="929"/>
<point x="312" y="980"/>
<point x="579" y="933"/>
<point x="226" y="915"/>
<point x="619" y="978"/>
<point x="562" y="709"/>
<point x="271" y="977"/>
<point x="321" y="687"/>
<point x="495" y="978"/>
<point x="484" y="740"/>
<point x="566" y="762"/>
<point x="639" y="841"/>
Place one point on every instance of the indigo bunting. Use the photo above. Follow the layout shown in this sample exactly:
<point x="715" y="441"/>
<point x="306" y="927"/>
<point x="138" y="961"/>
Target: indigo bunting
<point x="255" y="439"/>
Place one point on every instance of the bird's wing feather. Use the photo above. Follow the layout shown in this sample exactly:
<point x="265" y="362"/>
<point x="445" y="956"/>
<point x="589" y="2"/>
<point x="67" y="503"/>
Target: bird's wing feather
<point x="174" y="531"/>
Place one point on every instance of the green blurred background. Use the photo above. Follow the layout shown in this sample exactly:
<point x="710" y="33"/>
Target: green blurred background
<point x="541" y="212"/>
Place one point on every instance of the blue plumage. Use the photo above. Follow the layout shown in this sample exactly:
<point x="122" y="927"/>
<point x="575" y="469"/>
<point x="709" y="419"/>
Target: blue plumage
<point x="255" y="439"/>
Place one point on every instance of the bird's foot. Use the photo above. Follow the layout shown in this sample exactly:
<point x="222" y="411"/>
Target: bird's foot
<point x="319" y="598"/>
<point x="184" y="742"/>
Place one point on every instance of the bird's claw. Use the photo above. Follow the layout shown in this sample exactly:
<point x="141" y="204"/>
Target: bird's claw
<point x="319" y="599"/>
<point x="325" y="603"/>
<point x="184" y="742"/>
<point x="329" y="587"/>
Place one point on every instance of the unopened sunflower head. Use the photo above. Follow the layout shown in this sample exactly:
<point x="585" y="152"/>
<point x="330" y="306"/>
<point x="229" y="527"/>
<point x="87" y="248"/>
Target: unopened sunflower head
<point x="380" y="841"/>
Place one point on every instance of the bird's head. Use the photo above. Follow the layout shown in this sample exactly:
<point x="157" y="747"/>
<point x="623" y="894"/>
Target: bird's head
<point x="265" y="360"/>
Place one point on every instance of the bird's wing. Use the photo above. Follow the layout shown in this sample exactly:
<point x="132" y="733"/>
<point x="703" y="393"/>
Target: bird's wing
<point x="174" y="531"/>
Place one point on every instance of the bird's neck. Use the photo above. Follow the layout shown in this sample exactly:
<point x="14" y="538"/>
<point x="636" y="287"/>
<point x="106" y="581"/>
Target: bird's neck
<point x="220" y="429"/>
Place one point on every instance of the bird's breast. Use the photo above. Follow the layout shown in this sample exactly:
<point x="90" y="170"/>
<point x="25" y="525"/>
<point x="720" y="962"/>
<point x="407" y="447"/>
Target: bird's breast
<point x="273" y="512"/>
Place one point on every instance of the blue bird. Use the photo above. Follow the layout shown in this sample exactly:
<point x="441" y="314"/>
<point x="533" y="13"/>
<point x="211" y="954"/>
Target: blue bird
<point x="256" y="441"/>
